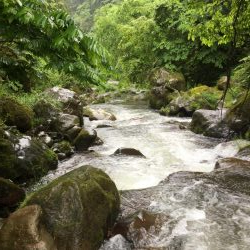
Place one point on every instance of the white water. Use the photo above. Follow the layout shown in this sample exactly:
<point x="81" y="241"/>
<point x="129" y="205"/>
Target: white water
<point x="167" y="148"/>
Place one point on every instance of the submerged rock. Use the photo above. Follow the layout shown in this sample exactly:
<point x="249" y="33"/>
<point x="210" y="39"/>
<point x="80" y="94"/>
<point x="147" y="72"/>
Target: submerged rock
<point x="98" y="114"/>
<point x="128" y="151"/>
<point x="24" y="230"/>
<point x="78" y="208"/>
<point x="15" y="114"/>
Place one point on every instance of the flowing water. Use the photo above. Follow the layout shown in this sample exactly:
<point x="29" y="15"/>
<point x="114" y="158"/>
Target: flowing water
<point x="201" y="216"/>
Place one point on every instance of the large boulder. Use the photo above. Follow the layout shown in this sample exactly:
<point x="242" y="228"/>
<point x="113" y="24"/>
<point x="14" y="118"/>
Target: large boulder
<point x="98" y="114"/>
<point x="70" y="101"/>
<point x="174" y="80"/>
<point x="15" y="114"/>
<point x="165" y="87"/>
<point x="78" y="208"/>
<point x="210" y="123"/>
<point x="10" y="196"/>
<point x="23" y="158"/>
<point x="24" y="230"/>
<point x="181" y="209"/>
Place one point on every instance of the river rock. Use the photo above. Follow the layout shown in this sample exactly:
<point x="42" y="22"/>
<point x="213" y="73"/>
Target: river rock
<point x="12" y="113"/>
<point x="24" y="230"/>
<point x="193" y="201"/>
<point x="201" y="97"/>
<point x="165" y="87"/>
<point x="10" y="196"/>
<point x="63" y="149"/>
<point x="117" y="242"/>
<point x="231" y="162"/>
<point x="210" y="123"/>
<point x="85" y="139"/>
<point x="128" y="151"/>
<point x="98" y="114"/>
<point x="68" y="121"/>
<point x="47" y="115"/>
<point x="78" y="208"/>
<point x="23" y="158"/>
<point x="69" y="99"/>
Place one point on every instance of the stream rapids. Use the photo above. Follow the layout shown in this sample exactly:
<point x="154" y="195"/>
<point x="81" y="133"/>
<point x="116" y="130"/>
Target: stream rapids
<point x="193" y="212"/>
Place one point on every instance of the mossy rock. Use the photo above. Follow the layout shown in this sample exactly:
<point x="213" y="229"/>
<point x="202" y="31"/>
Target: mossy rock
<point x="10" y="196"/>
<point x="78" y="208"/>
<point x="8" y="159"/>
<point x="201" y="97"/>
<point x="15" y="114"/>
<point x="64" y="147"/>
<point x="84" y="139"/>
<point x="23" y="158"/>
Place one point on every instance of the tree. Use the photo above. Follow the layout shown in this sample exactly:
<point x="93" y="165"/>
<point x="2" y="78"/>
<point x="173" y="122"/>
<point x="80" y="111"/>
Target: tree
<point x="33" y="28"/>
<point x="220" y="23"/>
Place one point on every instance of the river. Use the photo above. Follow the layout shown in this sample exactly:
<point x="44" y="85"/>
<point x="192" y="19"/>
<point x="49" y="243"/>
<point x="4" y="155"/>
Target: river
<point x="202" y="216"/>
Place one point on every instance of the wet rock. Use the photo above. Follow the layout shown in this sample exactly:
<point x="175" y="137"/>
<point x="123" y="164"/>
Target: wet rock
<point x="98" y="141"/>
<point x="128" y="151"/>
<point x="104" y="126"/>
<point x="71" y="103"/>
<point x="117" y="242"/>
<point x="84" y="139"/>
<point x="23" y="158"/>
<point x="244" y="153"/>
<point x="189" y="203"/>
<point x="10" y="196"/>
<point x="98" y="114"/>
<point x="210" y="123"/>
<point x="24" y="230"/>
<point x="78" y="208"/>
<point x="231" y="163"/>
<point x="15" y="114"/>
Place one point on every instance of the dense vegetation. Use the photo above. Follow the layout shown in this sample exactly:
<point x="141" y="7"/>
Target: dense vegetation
<point x="37" y="36"/>
<point x="191" y="36"/>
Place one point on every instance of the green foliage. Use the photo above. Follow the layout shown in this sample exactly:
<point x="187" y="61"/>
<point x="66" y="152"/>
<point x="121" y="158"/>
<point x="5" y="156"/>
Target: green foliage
<point x="31" y="29"/>
<point x="128" y="31"/>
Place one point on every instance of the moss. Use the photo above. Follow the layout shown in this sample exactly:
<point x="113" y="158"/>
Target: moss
<point x="64" y="147"/>
<point x="203" y="97"/>
<point x="79" y="206"/>
<point x="8" y="160"/>
<point x="84" y="140"/>
<point x="15" y="114"/>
